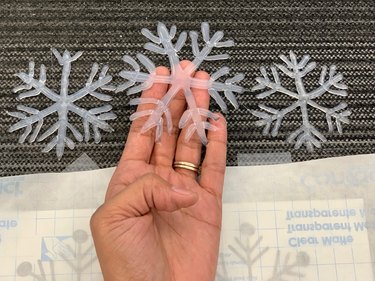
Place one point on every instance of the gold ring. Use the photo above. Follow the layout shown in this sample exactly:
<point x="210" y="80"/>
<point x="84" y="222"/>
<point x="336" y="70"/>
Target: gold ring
<point x="186" y="165"/>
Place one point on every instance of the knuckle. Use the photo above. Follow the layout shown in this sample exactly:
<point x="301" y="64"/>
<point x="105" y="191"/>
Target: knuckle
<point x="217" y="168"/>
<point x="194" y="142"/>
<point x="218" y="141"/>
<point x="137" y="126"/>
<point x="175" y="129"/>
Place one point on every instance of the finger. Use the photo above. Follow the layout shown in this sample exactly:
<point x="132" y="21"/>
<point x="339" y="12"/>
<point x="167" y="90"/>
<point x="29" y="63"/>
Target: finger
<point x="139" y="146"/>
<point x="164" y="151"/>
<point x="190" y="151"/>
<point x="214" y="163"/>
<point x="149" y="192"/>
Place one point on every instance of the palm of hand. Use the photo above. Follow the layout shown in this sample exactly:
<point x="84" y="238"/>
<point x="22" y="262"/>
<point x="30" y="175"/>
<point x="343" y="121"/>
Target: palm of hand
<point x="183" y="240"/>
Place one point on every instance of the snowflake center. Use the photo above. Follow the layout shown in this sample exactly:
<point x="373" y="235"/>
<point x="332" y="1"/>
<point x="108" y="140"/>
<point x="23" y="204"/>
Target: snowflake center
<point x="181" y="77"/>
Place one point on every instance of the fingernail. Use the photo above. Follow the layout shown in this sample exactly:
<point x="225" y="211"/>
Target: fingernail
<point x="182" y="191"/>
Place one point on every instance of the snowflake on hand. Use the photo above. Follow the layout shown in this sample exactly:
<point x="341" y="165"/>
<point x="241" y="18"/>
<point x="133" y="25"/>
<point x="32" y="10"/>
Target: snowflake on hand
<point x="180" y="79"/>
<point x="63" y="104"/>
<point x="306" y="134"/>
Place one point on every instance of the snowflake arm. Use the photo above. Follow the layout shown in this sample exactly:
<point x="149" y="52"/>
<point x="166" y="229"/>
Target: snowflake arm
<point x="34" y="86"/>
<point x="63" y="103"/>
<point x="195" y="114"/>
<point x="180" y="79"/>
<point x="91" y="86"/>
<point x="228" y="88"/>
<point x="210" y="43"/>
<point x="326" y="86"/>
<point x="336" y="113"/>
<point x="265" y="82"/>
<point x="295" y="69"/>
<point x="309" y="136"/>
<point x="268" y="119"/>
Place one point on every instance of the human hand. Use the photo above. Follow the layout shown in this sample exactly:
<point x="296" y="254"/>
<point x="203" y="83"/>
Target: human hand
<point x="157" y="222"/>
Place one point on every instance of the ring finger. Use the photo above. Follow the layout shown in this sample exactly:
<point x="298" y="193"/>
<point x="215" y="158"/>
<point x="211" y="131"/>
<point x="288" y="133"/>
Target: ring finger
<point x="190" y="151"/>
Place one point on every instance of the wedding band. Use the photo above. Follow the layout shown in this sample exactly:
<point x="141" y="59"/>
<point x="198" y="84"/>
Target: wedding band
<point x="186" y="165"/>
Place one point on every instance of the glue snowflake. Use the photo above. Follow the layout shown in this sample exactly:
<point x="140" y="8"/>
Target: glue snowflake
<point x="180" y="79"/>
<point x="63" y="104"/>
<point x="306" y="134"/>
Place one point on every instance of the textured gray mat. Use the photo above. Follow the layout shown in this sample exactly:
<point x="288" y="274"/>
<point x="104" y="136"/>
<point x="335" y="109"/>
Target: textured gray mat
<point x="332" y="32"/>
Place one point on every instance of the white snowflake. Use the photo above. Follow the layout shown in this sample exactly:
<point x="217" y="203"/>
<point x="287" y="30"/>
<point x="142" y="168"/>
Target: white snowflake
<point x="306" y="134"/>
<point x="180" y="79"/>
<point x="63" y="103"/>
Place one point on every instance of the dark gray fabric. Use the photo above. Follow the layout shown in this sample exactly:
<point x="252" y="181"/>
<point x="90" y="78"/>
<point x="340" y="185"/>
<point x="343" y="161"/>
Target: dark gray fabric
<point x="332" y="32"/>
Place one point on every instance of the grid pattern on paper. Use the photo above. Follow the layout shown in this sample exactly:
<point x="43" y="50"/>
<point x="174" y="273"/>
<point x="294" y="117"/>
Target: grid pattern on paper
<point x="54" y="228"/>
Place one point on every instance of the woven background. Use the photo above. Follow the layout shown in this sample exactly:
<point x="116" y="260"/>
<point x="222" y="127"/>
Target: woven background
<point x="331" y="32"/>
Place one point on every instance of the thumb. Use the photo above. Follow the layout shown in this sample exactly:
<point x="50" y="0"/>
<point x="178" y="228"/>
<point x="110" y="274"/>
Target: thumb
<point x="151" y="192"/>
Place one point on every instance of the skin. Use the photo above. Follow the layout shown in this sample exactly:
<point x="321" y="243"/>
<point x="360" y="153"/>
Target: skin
<point x="159" y="223"/>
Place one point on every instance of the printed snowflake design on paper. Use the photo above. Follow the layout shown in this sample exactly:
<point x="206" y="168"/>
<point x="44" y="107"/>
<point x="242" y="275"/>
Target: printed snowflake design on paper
<point x="284" y="271"/>
<point x="63" y="103"/>
<point x="249" y="253"/>
<point x="247" y="256"/>
<point x="306" y="134"/>
<point x="76" y="258"/>
<point x="180" y="79"/>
